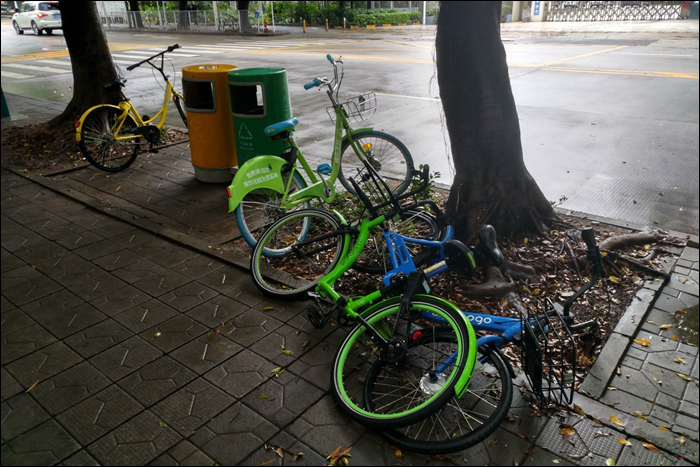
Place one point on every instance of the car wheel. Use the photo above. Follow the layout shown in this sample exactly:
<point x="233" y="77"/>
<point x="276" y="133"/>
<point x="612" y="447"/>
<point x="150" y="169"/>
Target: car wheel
<point x="35" y="28"/>
<point x="18" y="30"/>
<point x="48" y="31"/>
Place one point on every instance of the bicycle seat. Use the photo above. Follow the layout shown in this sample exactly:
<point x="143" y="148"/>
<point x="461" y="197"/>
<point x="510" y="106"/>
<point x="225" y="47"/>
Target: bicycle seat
<point x="459" y="258"/>
<point x="487" y="244"/>
<point x="286" y="125"/>
<point x="120" y="82"/>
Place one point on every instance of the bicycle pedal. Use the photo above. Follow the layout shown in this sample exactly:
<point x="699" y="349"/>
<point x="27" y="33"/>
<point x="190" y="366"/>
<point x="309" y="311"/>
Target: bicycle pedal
<point x="324" y="169"/>
<point x="315" y="316"/>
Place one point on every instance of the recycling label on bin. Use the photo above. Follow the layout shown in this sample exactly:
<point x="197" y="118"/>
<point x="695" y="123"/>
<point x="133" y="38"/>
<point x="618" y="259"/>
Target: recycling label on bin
<point x="244" y="132"/>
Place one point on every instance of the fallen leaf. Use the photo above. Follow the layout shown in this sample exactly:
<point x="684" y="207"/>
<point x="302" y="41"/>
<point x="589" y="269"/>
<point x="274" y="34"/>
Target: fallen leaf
<point x="157" y="334"/>
<point x="666" y="326"/>
<point x="32" y="386"/>
<point x="656" y="378"/>
<point x="682" y="376"/>
<point x="610" y="388"/>
<point x="577" y="458"/>
<point x="624" y="442"/>
<point x="613" y="279"/>
<point x="566" y="430"/>
<point x="162" y="425"/>
<point x="268" y="308"/>
<point x="679" y="360"/>
<point x="189" y="434"/>
<point x="398" y="453"/>
<point x="578" y="410"/>
<point x="674" y="338"/>
<point x="522" y="436"/>
<point x="643" y="342"/>
<point x="600" y="434"/>
<point x="280" y="452"/>
<point x="530" y="451"/>
<point x="664" y="428"/>
<point x="333" y="454"/>
<point x="681" y="440"/>
<point x="297" y="456"/>
<point x="610" y="462"/>
<point x="210" y="336"/>
<point x="616" y="421"/>
<point x="268" y="462"/>
<point x="652" y="448"/>
<point x="679" y="312"/>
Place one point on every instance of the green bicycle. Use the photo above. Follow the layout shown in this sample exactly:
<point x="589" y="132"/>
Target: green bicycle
<point x="265" y="187"/>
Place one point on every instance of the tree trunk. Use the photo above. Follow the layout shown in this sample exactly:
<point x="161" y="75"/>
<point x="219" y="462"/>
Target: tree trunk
<point x="243" y="17"/>
<point x="90" y="58"/>
<point x="135" y="14"/>
<point x="492" y="184"/>
<point x="183" y="18"/>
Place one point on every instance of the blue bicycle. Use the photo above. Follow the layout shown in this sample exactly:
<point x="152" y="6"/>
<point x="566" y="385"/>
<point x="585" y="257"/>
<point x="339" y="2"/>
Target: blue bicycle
<point x="312" y="249"/>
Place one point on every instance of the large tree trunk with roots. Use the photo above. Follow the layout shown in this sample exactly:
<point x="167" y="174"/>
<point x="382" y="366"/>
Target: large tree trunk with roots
<point x="90" y="58"/>
<point x="492" y="184"/>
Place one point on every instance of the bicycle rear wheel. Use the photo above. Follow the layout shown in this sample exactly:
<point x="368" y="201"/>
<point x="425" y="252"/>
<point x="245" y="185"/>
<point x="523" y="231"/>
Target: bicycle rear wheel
<point x="259" y="209"/>
<point x="402" y="383"/>
<point x="385" y="153"/>
<point x="466" y="421"/>
<point x="98" y="141"/>
<point x="296" y="252"/>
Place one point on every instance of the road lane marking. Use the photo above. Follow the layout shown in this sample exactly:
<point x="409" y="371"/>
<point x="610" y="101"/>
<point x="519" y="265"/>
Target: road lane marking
<point x="64" y="53"/>
<point x="10" y="74"/>
<point x="170" y="54"/>
<point x="434" y="99"/>
<point x="655" y="55"/>
<point x="55" y="62"/>
<point x="652" y="74"/>
<point x="46" y="69"/>
<point x="412" y="45"/>
<point x="561" y="60"/>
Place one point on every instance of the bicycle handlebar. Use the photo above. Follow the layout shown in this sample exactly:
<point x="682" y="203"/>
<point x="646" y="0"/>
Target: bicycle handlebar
<point x="169" y="49"/>
<point x="330" y="58"/>
<point x="313" y="83"/>
<point x="596" y="259"/>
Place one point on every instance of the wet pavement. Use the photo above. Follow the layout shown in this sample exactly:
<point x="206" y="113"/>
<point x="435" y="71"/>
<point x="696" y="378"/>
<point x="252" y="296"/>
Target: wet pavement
<point x="113" y="288"/>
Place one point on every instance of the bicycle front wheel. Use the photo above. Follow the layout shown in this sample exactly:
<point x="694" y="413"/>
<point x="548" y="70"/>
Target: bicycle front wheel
<point x="411" y="378"/>
<point x="385" y="153"/>
<point x="296" y="252"/>
<point x="259" y="209"/>
<point x="98" y="141"/>
<point x="466" y="421"/>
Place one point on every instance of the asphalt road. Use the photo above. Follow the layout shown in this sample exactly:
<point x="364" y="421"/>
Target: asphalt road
<point x="609" y="120"/>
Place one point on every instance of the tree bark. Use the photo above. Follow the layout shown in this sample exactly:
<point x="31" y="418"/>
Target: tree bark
<point x="492" y="184"/>
<point x="135" y="14"/>
<point x="243" y="17"/>
<point x="90" y="58"/>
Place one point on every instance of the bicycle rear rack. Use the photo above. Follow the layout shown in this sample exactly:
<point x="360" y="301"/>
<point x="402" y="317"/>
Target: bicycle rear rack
<point x="548" y="354"/>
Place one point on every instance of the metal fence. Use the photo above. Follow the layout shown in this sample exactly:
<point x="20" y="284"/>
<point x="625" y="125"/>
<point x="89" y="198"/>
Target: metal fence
<point x="612" y="11"/>
<point x="183" y="20"/>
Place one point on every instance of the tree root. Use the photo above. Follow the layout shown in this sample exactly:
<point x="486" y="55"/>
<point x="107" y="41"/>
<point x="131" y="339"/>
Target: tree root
<point x="637" y="264"/>
<point x="622" y="241"/>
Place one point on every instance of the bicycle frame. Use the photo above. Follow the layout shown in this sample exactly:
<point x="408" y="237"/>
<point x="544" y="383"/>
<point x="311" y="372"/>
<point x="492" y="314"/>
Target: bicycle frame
<point x="260" y="172"/>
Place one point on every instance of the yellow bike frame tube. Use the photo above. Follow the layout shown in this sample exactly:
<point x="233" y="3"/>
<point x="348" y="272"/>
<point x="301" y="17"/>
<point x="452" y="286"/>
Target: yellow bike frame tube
<point x="124" y="107"/>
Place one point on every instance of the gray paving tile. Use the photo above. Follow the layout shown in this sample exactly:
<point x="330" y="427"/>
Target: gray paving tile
<point x="188" y="296"/>
<point x="241" y="373"/>
<point x="19" y="238"/>
<point x="125" y="357"/>
<point x="171" y="334"/>
<point x="229" y="443"/>
<point x="285" y="338"/>
<point x="636" y="454"/>
<point x="315" y="365"/>
<point x="217" y="311"/>
<point x="245" y="292"/>
<point x="145" y="315"/>
<point x="136" y="442"/>
<point x="8" y="262"/>
<point x="10" y="386"/>
<point x="55" y="441"/>
<point x="96" y="284"/>
<point x="98" y="249"/>
<point x="156" y="380"/>
<point x="282" y="399"/>
<point x="249" y="327"/>
<point x="96" y="338"/>
<point x="43" y="363"/>
<point x="14" y="320"/>
<point x="57" y="302"/>
<point x="23" y="342"/>
<point x="19" y="415"/>
<point x="168" y="258"/>
<point x="283" y="310"/>
<point x="19" y="276"/>
<point x="153" y="279"/>
<point x="99" y="414"/>
<point x="586" y="439"/>
<point x="117" y="259"/>
<point x="31" y="290"/>
<point x="184" y="453"/>
<point x="323" y="428"/>
<point x="192" y="406"/>
<point x="41" y="254"/>
<point x="291" y="447"/>
<point x="224" y="278"/>
<point x="77" y="237"/>
<point x="63" y="323"/>
<point x="204" y="353"/>
<point x="80" y="458"/>
<point x="198" y="266"/>
<point x="119" y="300"/>
<point x="540" y="457"/>
<point x="69" y="387"/>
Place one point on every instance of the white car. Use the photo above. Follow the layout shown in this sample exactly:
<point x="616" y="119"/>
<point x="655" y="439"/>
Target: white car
<point x="37" y="16"/>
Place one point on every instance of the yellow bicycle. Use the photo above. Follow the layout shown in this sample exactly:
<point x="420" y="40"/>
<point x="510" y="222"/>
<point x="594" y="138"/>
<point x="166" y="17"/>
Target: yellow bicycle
<point x="109" y="136"/>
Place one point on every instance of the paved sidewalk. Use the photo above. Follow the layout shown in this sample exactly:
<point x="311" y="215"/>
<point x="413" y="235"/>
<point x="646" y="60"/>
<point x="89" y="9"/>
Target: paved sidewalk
<point x="111" y="297"/>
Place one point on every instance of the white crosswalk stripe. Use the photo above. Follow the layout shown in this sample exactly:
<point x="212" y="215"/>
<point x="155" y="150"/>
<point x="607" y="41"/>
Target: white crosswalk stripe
<point x="10" y="74"/>
<point x="169" y="55"/>
<point x="36" y="68"/>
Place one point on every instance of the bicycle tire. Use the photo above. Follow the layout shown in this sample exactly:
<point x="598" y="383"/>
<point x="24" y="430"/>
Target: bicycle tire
<point x="180" y="109"/>
<point x="389" y="157"/>
<point x="259" y="209"/>
<point x="97" y="141"/>
<point x="283" y="269"/>
<point x="361" y="371"/>
<point x="463" y="422"/>
<point x="420" y="224"/>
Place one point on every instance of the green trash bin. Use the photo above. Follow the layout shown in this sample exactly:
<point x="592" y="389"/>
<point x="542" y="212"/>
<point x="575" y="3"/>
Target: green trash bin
<point x="259" y="98"/>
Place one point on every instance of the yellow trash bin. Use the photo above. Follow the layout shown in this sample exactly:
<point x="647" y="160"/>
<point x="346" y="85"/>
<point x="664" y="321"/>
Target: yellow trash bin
<point x="209" y="121"/>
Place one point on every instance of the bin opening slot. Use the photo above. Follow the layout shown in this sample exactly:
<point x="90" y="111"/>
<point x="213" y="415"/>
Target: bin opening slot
<point x="247" y="99"/>
<point x="199" y="95"/>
